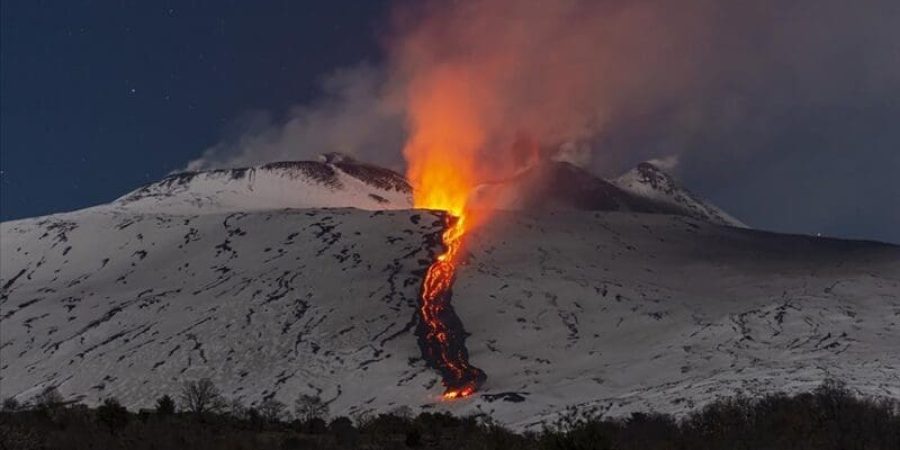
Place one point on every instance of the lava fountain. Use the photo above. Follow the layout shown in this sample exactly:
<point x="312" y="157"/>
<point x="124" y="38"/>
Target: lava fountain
<point x="441" y="156"/>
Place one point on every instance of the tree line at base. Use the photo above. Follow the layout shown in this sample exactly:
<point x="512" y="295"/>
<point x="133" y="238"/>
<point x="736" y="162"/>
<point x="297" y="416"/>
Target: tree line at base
<point x="830" y="417"/>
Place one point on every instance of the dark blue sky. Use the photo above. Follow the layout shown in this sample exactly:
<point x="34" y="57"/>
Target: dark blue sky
<point x="99" y="97"/>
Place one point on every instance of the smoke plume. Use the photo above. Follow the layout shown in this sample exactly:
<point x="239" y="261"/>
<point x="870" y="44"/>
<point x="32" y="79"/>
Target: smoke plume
<point x="353" y="115"/>
<point x="734" y="90"/>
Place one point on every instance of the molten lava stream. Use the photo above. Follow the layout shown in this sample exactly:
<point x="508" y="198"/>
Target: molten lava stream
<point x="441" y="335"/>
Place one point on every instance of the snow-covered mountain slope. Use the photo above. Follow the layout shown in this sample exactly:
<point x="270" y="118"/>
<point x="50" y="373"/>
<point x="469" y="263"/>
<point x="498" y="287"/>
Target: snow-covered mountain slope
<point x="559" y="186"/>
<point x="622" y="311"/>
<point x="336" y="182"/>
<point x="266" y="303"/>
<point x="645" y="312"/>
<point x="649" y="181"/>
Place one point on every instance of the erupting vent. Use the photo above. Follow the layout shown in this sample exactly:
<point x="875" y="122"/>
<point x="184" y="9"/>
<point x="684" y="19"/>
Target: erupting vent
<point x="441" y="335"/>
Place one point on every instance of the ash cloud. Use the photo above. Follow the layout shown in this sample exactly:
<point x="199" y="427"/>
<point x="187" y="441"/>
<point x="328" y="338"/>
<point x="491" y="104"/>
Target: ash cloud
<point x="781" y="112"/>
<point x="353" y="115"/>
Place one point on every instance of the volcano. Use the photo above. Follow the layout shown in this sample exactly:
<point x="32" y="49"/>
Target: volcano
<point x="290" y="278"/>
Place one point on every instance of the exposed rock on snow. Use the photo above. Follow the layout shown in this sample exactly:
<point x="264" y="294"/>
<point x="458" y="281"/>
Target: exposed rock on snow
<point x="651" y="182"/>
<point x="336" y="182"/>
<point x="558" y="185"/>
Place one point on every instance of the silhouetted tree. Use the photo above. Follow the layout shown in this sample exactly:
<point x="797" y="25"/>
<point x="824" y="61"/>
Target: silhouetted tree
<point x="10" y="404"/>
<point x="254" y="418"/>
<point x="51" y="404"/>
<point x="343" y="431"/>
<point x="829" y="418"/>
<point x="112" y="414"/>
<point x="237" y="410"/>
<point x="49" y="399"/>
<point x="316" y="425"/>
<point x="402" y="411"/>
<point x="308" y="407"/>
<point x="201" y="396"/>
<point x="165" y="406"/>
<point x="272" y="410"/>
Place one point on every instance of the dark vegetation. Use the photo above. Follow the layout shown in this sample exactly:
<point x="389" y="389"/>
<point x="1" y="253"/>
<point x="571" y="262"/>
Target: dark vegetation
<point x="827" y="418"/>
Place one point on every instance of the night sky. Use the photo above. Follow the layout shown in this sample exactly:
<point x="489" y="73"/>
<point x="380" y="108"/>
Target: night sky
<point x="100" y="97"/>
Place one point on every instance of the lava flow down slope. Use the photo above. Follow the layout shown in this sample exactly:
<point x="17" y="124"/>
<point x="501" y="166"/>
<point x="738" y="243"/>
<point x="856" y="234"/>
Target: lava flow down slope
<point x="440" y="332"/>
<point x="441" y="155"/>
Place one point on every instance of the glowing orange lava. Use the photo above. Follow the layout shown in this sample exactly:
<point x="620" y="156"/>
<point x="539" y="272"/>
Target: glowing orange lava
<point x="443" y="343"/>
<point x="442" y="163"/>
